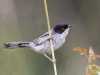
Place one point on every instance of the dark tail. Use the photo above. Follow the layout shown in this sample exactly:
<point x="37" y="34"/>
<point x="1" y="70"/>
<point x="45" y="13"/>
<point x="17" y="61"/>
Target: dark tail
<point x="12" y="45"/>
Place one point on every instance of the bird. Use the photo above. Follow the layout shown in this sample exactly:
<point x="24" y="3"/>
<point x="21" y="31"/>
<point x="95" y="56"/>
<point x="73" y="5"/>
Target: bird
<point x="42" y="44"/>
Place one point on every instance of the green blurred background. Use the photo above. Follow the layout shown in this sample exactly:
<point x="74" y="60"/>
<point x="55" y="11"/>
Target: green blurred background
<point x="25" y="20"/>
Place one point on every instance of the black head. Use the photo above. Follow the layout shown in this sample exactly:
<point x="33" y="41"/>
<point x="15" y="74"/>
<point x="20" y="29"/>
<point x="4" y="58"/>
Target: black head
<point x="60" y="28"/>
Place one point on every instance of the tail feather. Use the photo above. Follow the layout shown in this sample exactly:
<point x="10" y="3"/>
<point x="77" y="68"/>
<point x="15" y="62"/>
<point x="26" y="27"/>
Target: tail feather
<point x="11" y="45"/>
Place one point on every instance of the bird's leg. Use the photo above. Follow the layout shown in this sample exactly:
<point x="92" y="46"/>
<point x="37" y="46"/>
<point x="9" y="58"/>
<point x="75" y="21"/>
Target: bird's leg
<point x="45" y="40"/>
<point x="49" y="57"/>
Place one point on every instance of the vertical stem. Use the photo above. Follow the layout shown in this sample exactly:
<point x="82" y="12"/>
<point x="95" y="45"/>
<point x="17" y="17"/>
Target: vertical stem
<point x="48" y="23"/>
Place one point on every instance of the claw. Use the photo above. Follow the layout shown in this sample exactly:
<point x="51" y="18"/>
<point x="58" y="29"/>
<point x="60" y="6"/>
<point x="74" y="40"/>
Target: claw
<point x="45" y="40"/>
<point x="54" y="61"/>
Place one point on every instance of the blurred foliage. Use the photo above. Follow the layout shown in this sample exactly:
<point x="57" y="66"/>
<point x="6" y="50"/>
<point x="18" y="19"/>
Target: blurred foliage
<point x="91" y="69"/>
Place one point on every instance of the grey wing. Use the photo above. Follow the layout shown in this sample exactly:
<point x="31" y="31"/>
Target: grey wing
<point x="41" y="38"/>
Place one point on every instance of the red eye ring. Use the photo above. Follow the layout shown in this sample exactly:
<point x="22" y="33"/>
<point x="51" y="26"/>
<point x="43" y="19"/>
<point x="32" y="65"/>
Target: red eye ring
<point x="62" y="29"/>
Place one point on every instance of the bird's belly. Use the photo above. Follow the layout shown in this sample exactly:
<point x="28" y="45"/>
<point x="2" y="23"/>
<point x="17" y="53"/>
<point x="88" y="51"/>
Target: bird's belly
<point x="57" y="44"/>
<point x="46" y="47"/>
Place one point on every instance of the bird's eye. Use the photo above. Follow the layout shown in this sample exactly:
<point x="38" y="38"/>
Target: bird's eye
<point x="62" y="29"/>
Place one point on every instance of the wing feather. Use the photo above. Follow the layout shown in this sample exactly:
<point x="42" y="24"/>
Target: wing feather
<point x="41" y="38"/>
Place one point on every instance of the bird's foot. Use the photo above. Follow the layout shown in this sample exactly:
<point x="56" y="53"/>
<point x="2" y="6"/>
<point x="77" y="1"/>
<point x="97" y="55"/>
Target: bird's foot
<point x="54" y="61"/>
<point x="45" y="40"/>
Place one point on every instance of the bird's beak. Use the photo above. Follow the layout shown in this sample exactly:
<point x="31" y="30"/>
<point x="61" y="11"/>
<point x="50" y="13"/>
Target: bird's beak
<point x="70" y="25"/>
